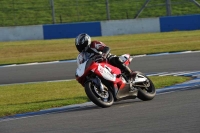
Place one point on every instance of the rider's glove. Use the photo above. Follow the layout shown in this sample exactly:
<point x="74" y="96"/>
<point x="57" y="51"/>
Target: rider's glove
<point x="98" y="58"/>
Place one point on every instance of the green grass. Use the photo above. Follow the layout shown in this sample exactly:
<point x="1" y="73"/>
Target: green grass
<point x="32" y="97"/>
<point x="33" y="12"/>
<point x="64" y="49"/>
<point x="21" y="98"/>
<point x="164" y="81"/>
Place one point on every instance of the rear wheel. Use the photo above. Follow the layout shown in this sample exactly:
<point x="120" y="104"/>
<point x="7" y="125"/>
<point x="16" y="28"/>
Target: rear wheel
<point x="100" y="98"/>
<point x="146" y="90"/>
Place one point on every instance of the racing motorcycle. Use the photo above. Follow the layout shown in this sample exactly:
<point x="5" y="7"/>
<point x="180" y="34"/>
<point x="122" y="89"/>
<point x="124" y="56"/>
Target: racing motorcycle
<point x="105" y="84"/>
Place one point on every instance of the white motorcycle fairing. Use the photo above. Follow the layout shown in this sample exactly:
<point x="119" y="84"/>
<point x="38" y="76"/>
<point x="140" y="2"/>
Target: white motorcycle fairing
<point x="106" y="73"/>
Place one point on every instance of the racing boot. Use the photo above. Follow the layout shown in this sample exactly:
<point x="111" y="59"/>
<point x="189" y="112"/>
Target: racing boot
<point x="131" y="77"/>
<point x="129" y="73"/>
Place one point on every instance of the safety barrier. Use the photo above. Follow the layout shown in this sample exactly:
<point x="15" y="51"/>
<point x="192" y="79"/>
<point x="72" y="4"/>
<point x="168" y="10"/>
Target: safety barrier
<point x="130" y="26"/>
<point x="103" y="28"/>
<point x="180" y="23"/>
<point x="57" y="31"/>
<point x="21" y="33"/>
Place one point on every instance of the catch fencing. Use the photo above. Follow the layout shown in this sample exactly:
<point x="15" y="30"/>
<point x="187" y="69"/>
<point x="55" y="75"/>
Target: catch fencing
<point x="37" y="12"/>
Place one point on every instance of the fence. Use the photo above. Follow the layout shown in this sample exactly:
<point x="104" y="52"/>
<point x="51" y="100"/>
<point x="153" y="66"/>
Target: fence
<point x="34" y="12"/>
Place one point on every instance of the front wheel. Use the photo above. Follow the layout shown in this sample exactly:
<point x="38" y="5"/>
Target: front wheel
<point x="146" y="90"/>
<point x="102" y="99"/>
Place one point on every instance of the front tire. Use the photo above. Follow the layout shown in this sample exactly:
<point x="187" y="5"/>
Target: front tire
<point x="101" y="99"/>
<point x="148" y="91"/>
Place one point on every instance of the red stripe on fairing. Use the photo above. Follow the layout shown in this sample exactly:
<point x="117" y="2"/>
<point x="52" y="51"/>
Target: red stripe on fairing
<point x="127" y="62"/>
<point x="121" y="85"/>
<point x="114" y="69"/>
<point x="94" y="68"/>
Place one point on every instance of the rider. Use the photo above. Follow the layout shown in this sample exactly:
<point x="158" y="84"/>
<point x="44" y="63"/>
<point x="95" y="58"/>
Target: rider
<point x="84" y="44"/>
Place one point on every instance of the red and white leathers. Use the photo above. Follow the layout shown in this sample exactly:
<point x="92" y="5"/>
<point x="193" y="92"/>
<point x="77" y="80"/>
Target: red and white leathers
<point x="95" y="48"/>
<point x="99" y="48"/>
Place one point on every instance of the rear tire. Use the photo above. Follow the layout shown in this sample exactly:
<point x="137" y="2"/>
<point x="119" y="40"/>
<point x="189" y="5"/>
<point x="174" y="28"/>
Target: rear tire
<point x="101" y="99"/>
<point x="146" y="93"/>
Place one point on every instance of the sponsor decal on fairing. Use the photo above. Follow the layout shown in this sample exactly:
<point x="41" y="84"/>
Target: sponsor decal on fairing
<point x="106" y="73"/>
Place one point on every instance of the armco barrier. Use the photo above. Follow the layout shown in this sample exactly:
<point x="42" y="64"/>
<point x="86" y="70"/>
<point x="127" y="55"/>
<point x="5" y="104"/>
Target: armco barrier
<point x="71" y="30"/>
<point x="21" y="33"/>
<point x="179" y="23"/>
<point x="130" y="26"/>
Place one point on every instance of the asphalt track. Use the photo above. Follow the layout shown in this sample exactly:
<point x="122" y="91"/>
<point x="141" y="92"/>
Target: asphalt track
<point x="66" y="70"/>
<point x="176" y="112"/>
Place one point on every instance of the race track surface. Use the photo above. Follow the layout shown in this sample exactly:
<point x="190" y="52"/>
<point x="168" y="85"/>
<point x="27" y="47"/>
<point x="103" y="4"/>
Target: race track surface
<point x="168" y="112"/>
<point x="176" y="112"/>
<point x="66" y="70"/>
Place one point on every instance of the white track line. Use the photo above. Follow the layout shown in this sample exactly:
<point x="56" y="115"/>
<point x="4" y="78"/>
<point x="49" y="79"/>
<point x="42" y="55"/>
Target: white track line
<point x="69" y="61"/>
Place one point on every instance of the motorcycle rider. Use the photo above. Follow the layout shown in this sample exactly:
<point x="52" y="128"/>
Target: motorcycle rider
<point x="83" y="43"/>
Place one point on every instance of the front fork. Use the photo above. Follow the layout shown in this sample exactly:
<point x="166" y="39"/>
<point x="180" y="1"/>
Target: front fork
<point x="97" y="82"/>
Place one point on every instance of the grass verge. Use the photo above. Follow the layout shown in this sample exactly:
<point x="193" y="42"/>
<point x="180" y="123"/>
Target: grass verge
<point x="32" y="12"/>
<point x="21" y="98"/>
<point x="63" y="49"/>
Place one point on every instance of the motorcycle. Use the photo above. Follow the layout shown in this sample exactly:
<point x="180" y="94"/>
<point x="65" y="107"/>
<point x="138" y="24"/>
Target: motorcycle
<point x="105" y="84"/>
